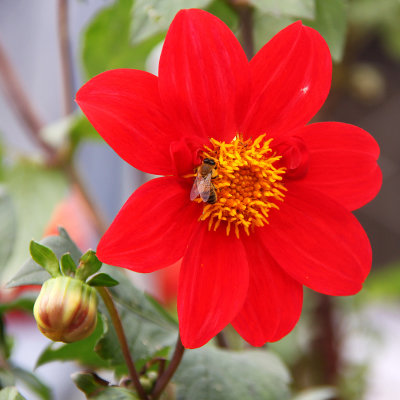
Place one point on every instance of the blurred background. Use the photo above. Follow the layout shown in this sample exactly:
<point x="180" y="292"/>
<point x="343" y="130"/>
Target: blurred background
<point x="55" y="170"/>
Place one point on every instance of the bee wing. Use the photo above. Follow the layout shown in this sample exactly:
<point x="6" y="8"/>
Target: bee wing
<point x="204" y="187"/>
<point x="195" y="190"/>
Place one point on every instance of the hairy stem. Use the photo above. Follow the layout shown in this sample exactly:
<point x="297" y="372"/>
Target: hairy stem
<point x="109" y="303"/>
<point x="163" y="380"/>
<point x="65" y="53"/>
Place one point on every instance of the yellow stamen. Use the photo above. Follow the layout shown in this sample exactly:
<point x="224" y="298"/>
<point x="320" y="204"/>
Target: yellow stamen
<point x="248" y="184"/>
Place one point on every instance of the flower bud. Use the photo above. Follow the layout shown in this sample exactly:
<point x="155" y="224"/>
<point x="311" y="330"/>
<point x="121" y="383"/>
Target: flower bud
<point x="66" y="309"/>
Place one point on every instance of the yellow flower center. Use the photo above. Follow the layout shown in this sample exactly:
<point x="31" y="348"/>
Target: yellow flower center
<point x="247" y="184"/>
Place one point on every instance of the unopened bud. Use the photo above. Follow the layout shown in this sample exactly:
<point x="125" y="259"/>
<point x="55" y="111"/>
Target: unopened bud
<point x="66" y="309"/>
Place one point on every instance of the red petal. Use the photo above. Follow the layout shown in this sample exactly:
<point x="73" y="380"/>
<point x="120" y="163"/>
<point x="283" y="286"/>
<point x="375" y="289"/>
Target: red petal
<point x="318" y="242"/>
<point x="152" y="229"/>
<point x="125" y="108"/>
<point x="274" y="301"/>
<point x="203" y="76"/>
<point x="342" y="162"/>
<point x="291" y="77"/>
<point x="213" y="283"/>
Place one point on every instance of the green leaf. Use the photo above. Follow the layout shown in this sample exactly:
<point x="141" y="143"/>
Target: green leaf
<point x="6" y="378"/>
<point x="147" y="329"/>
<point x="287" y="8"/>
<point x="35" y="192"/>
<point x="107" y="41"/>
<point x="225" y="13"/>
<point x="68" y="266"/>
<point x="102" y="280"/>
<point x="382" y="284"/>
<point x="45" y="257"/>
<point x="214" y="374"/>
<point x="8" y="227"/>
<point x="34" y="383"/>
<point x="80" y="351"/>
<point x="32" y="274"/>
<point x="89" y="264"/>
<point x="82" y="129"/>
<point x="331" y="23"/>
<point x="95" y="388"/>
<point x="154" y="16"/>
<point x="321" y="393"/>
<point x="10" y="393"/>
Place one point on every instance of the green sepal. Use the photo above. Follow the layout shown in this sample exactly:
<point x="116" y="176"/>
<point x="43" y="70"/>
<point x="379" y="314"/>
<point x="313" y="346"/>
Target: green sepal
<point x="68" y="266"/>
<point x="45" y="257"/>
<point x="102" y="280"/>
<point x="89" y="264"/>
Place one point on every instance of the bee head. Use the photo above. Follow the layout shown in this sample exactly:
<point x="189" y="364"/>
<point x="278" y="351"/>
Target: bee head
<point x="209" y="161"/>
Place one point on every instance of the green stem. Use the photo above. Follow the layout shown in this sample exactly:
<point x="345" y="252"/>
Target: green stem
<point x="164" y="379"/>
<point x="109" y="303"/>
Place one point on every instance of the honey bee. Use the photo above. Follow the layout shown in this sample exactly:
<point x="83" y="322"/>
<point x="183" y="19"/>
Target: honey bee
<point x="202" y="185"/>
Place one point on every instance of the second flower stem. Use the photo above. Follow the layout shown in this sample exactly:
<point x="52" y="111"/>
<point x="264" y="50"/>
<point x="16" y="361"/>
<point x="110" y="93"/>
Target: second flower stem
<point x="109" y="303"/>
<point x="163" y="380"/>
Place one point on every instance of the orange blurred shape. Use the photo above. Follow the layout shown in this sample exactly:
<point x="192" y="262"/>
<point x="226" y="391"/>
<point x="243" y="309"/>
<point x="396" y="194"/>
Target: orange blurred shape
<point x="166" y="282"/>
<point x="73" y="214"/>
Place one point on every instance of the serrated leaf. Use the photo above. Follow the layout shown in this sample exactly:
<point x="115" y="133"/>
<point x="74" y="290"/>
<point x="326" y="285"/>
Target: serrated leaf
<point x="7" y="227"/>
<point x="148" y="331"/>
<point x="215" y="374"/>
<point x="94" y="388"/>
<point x="33" y="382"/>
<point x="287" y="8"/>
<point x="89" y="264"/>
<point x="10" y="393"/>
<point x="321" y="393"/>
<point x="32" y="274"/>
<point x="80" y="351"/>
<point x="331" y="23"/>
<point x="68" y="266"/>
<point x="102" y="280"/>
<point x="45" y="257"/>
<point x="35" y="192"/>
<point x="107" y="41"/>
<point x="151" y="17"/>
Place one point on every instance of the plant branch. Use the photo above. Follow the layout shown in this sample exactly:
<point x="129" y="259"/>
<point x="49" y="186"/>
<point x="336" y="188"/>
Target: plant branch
<point x="245" y="13"/>
<point x="221" y="340"/>
<point x="65" y="53"/>
<point x="109" y="303"/>
<point x="163" y="380"/>
<point x="23" y="106"/>
<point x="33" y="122"/>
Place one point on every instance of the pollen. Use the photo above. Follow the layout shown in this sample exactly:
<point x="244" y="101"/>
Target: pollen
<point x="248" y="184"/>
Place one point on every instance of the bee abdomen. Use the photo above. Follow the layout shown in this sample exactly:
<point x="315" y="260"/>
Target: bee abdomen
<point x="213" y="197"/>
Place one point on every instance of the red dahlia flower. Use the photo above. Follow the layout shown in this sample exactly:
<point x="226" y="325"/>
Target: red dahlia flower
<point x="284" y="190"/>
